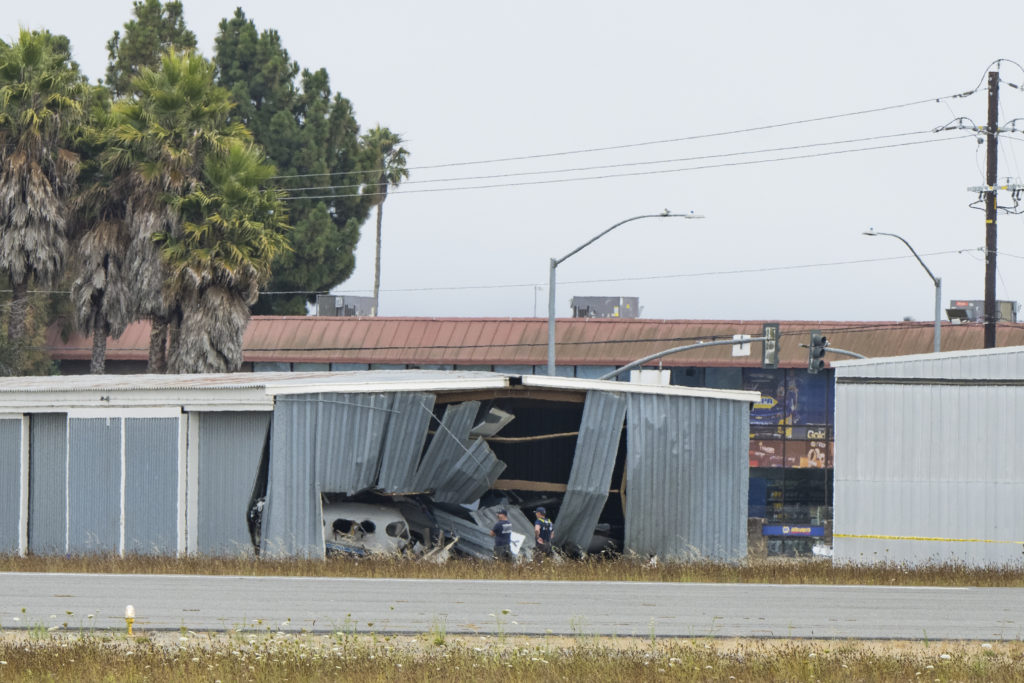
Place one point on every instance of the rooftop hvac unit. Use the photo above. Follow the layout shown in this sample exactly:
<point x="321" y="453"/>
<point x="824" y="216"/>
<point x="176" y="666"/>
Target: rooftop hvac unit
<point x="605" y="307"/>
<point x="346" y="305"/>
<point x="973" y="311"/>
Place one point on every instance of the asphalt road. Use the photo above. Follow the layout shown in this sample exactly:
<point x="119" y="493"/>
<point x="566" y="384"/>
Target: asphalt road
<point x="205" y="603"/>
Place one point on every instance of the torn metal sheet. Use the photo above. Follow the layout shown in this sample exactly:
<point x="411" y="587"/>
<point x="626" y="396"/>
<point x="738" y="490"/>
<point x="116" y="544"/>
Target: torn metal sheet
<point x="592" y="466"/>
<point x="473" y="539"/>
<point x="450" y="442"/>
<point x="350" y="431"/>
<point x="470" y="476"/>
<point x="411" y="414"/>
<point x="686" y="477"/>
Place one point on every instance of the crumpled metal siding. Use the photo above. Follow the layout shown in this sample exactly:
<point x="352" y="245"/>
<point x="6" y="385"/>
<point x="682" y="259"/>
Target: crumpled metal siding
<point x="151" y="486"/>
<point x="230" y="448"/>
<point x="350" y="431"/>
<point x="450" y="442"/>
<point x="593" y="463"/>
<point x="292" y="524"/>
<point x="94" y="485"/>
<point x="47" y="477"/>
<point x="10" y="485"/>
<point x="473" y="539"/>
<point x="475" y="536"/>
<point x="471" y="475"/>
<point x="411" y="414"/>
<point x="686" y="477"/>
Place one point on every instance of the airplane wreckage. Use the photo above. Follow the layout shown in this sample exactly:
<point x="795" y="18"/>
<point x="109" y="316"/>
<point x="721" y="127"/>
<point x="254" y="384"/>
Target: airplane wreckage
<point x="619" y="467"/>
<point x="411" y="462"/>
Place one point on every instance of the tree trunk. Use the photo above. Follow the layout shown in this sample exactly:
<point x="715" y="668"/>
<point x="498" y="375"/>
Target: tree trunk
<point x="158" y="346"/>
<point x="19" y="313"/>
<point x="376" y="262"/>
<point x="97" y="366"/>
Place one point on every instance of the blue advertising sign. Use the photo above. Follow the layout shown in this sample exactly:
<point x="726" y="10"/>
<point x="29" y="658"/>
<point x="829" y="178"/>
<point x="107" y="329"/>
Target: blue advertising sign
<point x="771" y="409"/>
<point x="808" y="398"/>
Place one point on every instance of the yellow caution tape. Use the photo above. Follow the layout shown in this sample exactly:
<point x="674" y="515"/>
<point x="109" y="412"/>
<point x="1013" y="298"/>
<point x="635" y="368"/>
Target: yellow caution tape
<point x="924" y="538"/>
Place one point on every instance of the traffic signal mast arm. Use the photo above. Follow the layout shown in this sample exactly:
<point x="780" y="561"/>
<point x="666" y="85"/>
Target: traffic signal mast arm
<point x="654" y="356"/>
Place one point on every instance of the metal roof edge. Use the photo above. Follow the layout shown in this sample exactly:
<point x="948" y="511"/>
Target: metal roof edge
<point x="577" y="384"/>
<point x="497" y="381"/>
<point x="891" y="360"/>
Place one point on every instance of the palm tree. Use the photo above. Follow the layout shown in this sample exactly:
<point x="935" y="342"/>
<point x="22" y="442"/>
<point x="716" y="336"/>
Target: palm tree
<point x="157" y="143"/>
<point x="387" y="159"/>
<point x="232" y="229"/>
<point x="102" y="297"/>
<point x="40" y="110"/>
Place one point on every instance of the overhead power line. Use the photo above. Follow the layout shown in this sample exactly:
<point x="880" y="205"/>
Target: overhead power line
<point x="648" y="143"/>
<point x="577" y="169"/>
<point x="550" y="181"/>
<point x="738" y="271"/>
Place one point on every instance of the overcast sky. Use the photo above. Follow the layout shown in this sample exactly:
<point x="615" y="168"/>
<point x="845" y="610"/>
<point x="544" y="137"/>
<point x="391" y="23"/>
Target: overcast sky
<point x="475" y="81"/>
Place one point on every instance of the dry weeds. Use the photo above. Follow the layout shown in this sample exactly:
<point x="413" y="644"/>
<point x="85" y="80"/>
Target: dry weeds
<point x="781" y="571"/>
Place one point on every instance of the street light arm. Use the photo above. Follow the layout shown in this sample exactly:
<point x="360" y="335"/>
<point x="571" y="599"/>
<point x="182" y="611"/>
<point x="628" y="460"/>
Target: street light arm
<point x="937" y="281"/>
<point x="912" y="251"/>
<point x="555" y="262"/>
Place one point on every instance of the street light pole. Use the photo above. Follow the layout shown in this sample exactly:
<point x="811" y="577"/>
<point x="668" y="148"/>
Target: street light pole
<point x="556" y="261"/>
<point x="937" y="342"/>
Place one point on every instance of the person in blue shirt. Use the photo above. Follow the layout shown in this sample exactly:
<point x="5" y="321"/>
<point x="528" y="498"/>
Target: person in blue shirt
<point x="502" y="532"/>
<point x="543" y="531"/>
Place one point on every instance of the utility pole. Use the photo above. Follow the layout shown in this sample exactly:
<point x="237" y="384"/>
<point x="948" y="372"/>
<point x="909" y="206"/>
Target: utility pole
<point x="992" y="158"/>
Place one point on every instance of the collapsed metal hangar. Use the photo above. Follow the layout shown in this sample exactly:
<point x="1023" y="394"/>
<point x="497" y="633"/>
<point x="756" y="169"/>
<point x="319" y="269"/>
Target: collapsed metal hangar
<point x="170" y="464"/>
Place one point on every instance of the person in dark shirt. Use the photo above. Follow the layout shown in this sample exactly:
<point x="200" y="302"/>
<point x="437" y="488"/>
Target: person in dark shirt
<point x="543" y="531"/>
<point x="502" y="532"/>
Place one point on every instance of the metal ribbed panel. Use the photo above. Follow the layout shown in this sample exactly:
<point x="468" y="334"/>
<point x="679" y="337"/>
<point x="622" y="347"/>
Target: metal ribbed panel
<point x="450" y="442"/>
<point x="686" y="477"/>
<point x="411" y="414"/>
<point x="151" y="486"/>
<point x="350" y="431"/>
<point x="978" y="364"/>
<point x="474" y="540"/>
<point x="292" y="524"/>
<point x="94" y="485"/>
<point x="592" y="466"/>
<point x="924" y="461"/>
<point x="230" y="448"/>
<point x="471" y="475"/>
<point x="47" y="474"/>
<point x="10" y="485"/>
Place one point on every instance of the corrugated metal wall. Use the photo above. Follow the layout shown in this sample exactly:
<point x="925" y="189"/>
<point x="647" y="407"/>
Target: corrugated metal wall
<point x="592" y="466"/>
<point x="94" y="485"/>
<point x="10" y="485"/>
<point x="47" y="474"/>
<point x="411" y="415"/>
<point x="470" y="476"/>
<point x="451" y="439"/>
<point x="151" y="485"/>
<point x="686" y="477"/>
<point x="928" y="457"/>
<point x="350" y="430"/>
<point x="292" y="524"/>
<point x="230" y="448"/>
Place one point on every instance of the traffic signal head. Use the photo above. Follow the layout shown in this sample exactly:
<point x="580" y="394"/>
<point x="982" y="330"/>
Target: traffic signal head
<point x="770" y="346"/>
<point x="816" y="353"/>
